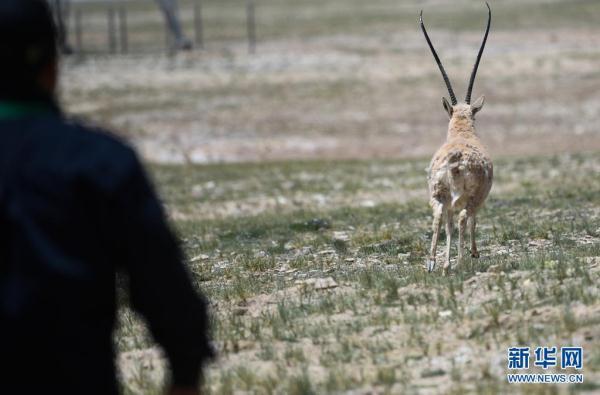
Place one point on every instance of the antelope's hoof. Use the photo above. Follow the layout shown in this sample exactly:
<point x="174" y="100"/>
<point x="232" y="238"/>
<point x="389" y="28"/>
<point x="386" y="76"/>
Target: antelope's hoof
<point x="475" y="254"/>
<point x="430" y="264"/>
<point x="447" y="268"/>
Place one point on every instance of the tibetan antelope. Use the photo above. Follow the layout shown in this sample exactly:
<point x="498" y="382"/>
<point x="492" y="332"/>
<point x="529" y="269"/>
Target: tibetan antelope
<point x="461" y="171"/>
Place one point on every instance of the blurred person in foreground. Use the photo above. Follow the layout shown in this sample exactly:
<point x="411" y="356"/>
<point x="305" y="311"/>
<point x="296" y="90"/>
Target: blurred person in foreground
<point x="75" y="208"/>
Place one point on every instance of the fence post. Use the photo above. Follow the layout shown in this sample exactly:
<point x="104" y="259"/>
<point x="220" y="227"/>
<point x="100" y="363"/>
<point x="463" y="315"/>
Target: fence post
<point x="78" y="31"/>
<point x="112" y="34"/>
<point x="123" y="29"/>
<point x="168" y="41"/>
<point x="251" y="23"/>
<point x="198" y="26"/>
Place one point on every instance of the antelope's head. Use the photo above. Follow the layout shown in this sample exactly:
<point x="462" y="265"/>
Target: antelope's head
<point x="464" y="110"/>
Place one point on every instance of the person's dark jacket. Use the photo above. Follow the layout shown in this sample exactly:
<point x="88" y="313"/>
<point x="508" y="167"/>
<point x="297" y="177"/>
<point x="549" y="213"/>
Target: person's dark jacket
<point x="76" y="208"/>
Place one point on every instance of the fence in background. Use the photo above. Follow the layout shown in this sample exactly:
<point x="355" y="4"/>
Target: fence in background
<point x="117" y="18"/>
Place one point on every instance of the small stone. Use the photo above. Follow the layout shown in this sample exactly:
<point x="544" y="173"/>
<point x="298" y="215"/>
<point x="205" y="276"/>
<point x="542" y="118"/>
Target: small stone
<point x="201" y="257"/>
<point x="281" y="200"/>
<point x="445" y="313"/>
<point x="318" y="283"/>
<point x="367" y="203"/>
<point x="494" y="268"/>
<point x="325" y="283"/>
<point x="592" y="260"/>
<point x="283" y="268"/>
<point x="343" y="236"/>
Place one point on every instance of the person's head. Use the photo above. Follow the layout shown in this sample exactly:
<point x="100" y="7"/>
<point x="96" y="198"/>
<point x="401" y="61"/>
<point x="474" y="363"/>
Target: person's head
<point x="28" y="70"/>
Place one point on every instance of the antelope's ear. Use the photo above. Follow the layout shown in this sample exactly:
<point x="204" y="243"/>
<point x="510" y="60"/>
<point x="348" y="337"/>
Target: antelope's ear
<point x="447" y="107"/>
<point x="478" y="105"/>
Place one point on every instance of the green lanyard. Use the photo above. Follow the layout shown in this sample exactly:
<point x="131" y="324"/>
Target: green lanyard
<point x="16" y="109"/>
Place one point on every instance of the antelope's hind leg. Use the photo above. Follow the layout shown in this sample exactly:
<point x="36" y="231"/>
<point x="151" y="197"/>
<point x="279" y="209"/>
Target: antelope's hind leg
<point x="462" y="227"/>
<point x="438" y="211"/>
<point x="472" y="225"/>
<point x="449" y="229"/>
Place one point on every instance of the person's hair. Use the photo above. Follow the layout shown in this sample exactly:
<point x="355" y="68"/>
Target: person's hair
<point x="27" y="45"/>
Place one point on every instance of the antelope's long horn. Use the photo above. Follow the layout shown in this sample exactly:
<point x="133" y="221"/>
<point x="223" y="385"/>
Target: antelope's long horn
<point x="437" y="59"/>
<point x="474" y="73"/>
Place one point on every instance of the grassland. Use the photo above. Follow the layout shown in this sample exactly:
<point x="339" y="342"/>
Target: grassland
<point x="295" y="179"/>
<point x="324" y="291"/>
